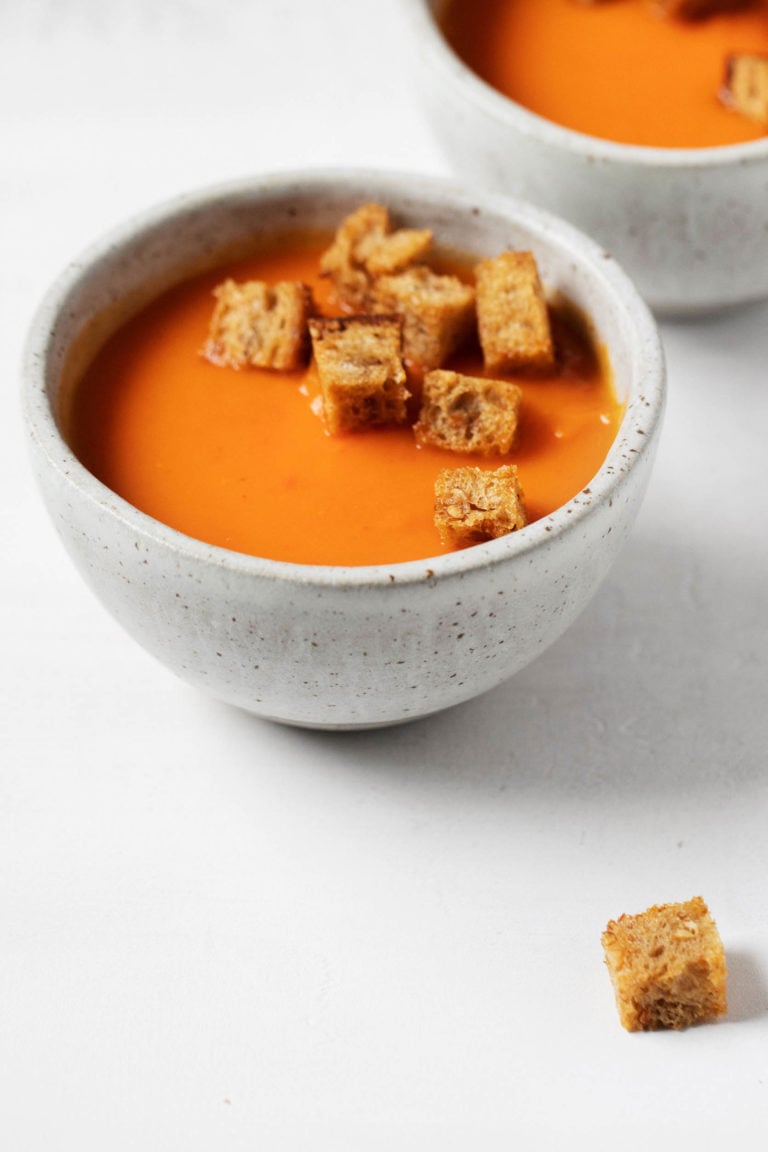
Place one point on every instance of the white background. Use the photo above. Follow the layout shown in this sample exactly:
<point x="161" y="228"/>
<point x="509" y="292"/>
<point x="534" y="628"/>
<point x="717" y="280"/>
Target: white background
<point x="217" y="933"/>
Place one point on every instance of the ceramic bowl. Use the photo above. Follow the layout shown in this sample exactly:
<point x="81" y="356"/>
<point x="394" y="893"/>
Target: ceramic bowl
<point x="339" y="647"/>
<point x="690" y="226"/>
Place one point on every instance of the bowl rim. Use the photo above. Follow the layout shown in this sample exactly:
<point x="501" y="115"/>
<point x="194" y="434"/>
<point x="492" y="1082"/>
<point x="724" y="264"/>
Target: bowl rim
<point x="634" y="437"/>
<point x="436" y="49"/>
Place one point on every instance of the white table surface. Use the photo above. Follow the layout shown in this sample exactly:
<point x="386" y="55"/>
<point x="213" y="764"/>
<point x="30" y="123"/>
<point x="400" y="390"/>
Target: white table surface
<point x="218" y="933"/>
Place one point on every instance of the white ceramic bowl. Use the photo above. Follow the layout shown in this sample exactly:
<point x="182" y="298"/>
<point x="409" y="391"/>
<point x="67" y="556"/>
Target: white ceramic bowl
<point x="690" y="226"/>
<point x="322" y="646"/>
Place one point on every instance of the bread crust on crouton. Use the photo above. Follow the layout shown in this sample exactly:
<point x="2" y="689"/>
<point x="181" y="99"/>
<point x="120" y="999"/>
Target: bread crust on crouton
<point x="473" y="505"/>
<point x="438" y="312"/>
<point x="257" y="325"/>
<point x="366" y="246"/>
<point x="512" y="315"/>
<point x="360" y="369"/>
<point x="745" y="88"/>
<point x="468" y="413"/>
<point x="667" y="966"/>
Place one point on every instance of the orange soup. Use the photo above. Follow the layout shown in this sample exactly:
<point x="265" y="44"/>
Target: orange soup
<point x="620" y="70"/>
<point x="241" y="459"/>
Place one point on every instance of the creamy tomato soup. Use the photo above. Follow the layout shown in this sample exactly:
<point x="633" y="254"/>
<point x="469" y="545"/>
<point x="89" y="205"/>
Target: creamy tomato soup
<point x="242" y="459"/>
<point x="620" y="70"/>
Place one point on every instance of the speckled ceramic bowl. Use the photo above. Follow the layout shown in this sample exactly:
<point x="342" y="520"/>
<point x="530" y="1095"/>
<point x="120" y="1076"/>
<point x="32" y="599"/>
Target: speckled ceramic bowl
<point x="689" y="225"/>
<point x="321" y="646"/>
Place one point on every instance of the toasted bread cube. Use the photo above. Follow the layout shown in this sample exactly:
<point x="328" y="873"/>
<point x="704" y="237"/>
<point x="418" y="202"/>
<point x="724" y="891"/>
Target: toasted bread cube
<point x="438" y="312"/>
<point x="698" y="9"/>
<point x="512" y="316"/>
<point x="667" y="966"/>
<point x="472" y="505"/>
<point x="364" y="247"/>
<point x="360" y="367"/>
<point x="746" y="86"/>
<point x="256" y="325"/>
<point x="468" y="413"/>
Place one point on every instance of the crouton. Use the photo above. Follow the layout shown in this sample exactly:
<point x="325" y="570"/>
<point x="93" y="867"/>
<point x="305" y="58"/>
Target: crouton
<point x="512" y="316"/>
<point x="361" y="373"/>
<point x="667" y="966"/>
<point x="255" y="325"/>
<point x="438" y="312"/>
<point x="468" y="413"/>
<point x="472" y="505"/>
<point x="698" y="9"/>
<point x="364" y="247"/>
<point x="746" y="86"/>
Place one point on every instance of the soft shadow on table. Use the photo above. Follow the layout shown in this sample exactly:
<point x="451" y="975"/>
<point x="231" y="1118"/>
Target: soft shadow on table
<point x="649" y="691"/>
<point x="747" y="991"/>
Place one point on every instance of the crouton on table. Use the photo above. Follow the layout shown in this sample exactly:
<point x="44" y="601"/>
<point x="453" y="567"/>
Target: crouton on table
<point x="360" y="368"/>
<point x="468" y="413"/>
<point x="473" y="505"/>
<point x="257" y="325"/>
<point x="667" y="966"/>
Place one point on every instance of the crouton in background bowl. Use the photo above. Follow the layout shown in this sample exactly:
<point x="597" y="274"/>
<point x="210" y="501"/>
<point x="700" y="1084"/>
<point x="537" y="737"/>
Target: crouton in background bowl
<point x="328" y="646"/>
<point x="689" y="224"/>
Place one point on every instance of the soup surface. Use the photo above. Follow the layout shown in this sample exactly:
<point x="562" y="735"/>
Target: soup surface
<point x="619" y="70"/>
<point x="241" y="459"/>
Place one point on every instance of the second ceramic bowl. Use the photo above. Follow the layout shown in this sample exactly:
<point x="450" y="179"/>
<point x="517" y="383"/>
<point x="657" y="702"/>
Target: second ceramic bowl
<point x="689" y="225"/>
